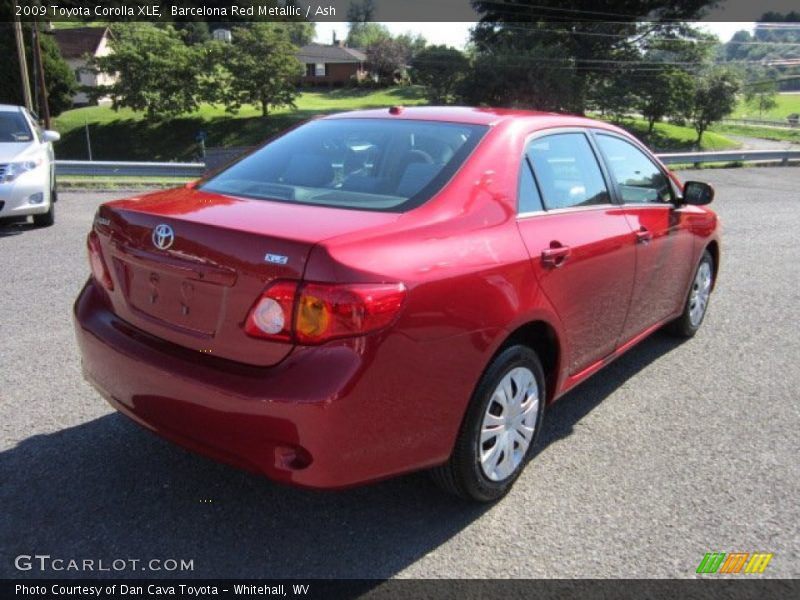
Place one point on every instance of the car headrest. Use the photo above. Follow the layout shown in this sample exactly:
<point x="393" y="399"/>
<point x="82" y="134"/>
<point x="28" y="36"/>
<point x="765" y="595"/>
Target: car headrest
<point x="416" y="176"/>
<point x="313" y="170"/>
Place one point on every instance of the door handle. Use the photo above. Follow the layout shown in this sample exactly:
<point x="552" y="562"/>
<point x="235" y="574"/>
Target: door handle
<point x="643" y="236"/>
<point x="555" y="256"/>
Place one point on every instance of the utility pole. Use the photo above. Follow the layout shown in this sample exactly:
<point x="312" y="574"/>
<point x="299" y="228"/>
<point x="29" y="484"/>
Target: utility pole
<point x="37" y="53"/>
<point x="23" y="63"/>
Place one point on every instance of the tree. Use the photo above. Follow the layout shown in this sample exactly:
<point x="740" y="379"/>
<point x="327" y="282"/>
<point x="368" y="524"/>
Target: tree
<point x="59" y="77"/>
<point x="714" y="98"/>
<point x="362" y="30"/>
<point x="263" y="68"/>
<point x="666" y="92"/>
<point x="761" y="95"/>
<point x="515" y="76"/>
<point x="363" y="35"/>
<point x="155" y="71"/>
<point x="589" y="43"/>
<point x="300" y="32"/>
<point x="412" y="44"/>
<point x="386" y="59"/>
<point x="439" y="69"/>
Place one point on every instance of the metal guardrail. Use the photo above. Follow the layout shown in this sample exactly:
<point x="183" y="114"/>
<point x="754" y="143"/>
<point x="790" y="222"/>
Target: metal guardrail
<point x="191" y="170"/>
<point x="729" y="156"/>
<point x="129" y="169"/>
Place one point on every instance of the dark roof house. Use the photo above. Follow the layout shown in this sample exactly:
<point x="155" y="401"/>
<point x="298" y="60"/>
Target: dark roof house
<point x="331" y="64"/>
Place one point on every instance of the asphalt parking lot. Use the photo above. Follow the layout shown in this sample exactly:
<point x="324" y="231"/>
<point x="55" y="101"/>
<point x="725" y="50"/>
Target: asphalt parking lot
<point x="674" y="450"/>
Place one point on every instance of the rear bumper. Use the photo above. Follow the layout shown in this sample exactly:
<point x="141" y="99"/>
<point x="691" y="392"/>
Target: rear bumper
<point x="325" y="417"/>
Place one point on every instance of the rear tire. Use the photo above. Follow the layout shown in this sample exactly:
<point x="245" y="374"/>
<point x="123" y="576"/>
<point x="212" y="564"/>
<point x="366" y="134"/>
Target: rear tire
<point x="499" y="431"/>
<point x="696" y="306"/>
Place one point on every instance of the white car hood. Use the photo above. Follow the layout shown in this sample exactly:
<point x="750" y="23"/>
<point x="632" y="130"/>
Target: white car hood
<point x="13" y="151"/>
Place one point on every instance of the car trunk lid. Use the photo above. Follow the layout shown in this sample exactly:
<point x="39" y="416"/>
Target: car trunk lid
<point x="190" y="265"/>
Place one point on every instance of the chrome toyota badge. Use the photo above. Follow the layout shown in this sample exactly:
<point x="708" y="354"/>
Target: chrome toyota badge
<point x="163" y="236"/>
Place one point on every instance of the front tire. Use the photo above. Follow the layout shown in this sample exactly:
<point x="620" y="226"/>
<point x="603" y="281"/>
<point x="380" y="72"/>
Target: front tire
<point x="694" y="310"/>
<point x="500" y="428"/>
<point x="48" y="218"/>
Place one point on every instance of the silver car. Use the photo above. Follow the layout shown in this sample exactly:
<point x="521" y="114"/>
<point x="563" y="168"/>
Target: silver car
<point x="27" y="167"/>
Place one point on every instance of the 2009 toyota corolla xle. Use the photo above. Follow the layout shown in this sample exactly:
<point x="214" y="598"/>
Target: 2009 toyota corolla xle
<point x="383" y="291"/>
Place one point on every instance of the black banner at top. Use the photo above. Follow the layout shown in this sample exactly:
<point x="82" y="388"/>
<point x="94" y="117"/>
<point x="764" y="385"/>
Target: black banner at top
<point x="387" y="10"/>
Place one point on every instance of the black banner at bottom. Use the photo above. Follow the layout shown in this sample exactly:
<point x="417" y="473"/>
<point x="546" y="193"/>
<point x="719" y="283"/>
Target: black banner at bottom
<point x="373" y="589"/>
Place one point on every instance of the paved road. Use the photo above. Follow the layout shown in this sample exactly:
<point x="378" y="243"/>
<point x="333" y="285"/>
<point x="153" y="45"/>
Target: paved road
<point x="754" y="143"/>
<point x="673" y="451"/>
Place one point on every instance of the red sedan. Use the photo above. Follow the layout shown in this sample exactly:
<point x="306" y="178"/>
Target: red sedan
<point x="384" y="291"/>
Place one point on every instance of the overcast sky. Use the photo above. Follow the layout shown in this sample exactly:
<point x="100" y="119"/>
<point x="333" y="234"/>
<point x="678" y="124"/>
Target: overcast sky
<point x="457" y="34"/>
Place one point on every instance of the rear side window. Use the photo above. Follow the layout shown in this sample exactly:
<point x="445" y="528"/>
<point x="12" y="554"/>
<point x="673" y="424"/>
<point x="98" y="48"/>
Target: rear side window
<point x="370" y="164"/>
<point x="567" y="171"/>
<point x="639" y="178"/>
<point x="529" y="199"/>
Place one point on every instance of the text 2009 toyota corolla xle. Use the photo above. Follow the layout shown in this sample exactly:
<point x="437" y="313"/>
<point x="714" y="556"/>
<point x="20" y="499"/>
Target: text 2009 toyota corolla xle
<point x="383" y="291"/>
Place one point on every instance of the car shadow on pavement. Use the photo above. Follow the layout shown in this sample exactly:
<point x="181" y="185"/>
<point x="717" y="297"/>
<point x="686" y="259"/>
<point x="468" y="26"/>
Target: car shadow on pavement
<point x="15" y="227"/>
<point x="108" y="490"/>
<point x="577" y="403"/>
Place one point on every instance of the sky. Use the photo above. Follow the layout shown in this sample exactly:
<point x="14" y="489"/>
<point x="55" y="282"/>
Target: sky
<point x="457" y="34"/>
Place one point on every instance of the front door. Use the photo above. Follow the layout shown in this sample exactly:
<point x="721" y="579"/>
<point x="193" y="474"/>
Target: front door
<point x="664" y="244"/>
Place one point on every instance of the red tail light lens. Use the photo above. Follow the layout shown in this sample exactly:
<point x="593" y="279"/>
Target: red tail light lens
<point x="98" y="265"/>
<point x="318" y="312"/>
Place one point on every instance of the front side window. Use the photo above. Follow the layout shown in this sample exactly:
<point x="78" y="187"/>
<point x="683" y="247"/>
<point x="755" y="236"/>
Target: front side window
<point x="638" y="177"/>
<point x="567" y="171"/>
<point x="369" y="164"/>
<point x="14" y="127"/>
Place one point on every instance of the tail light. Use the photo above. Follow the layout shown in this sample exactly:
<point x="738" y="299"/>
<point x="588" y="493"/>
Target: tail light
<point x="98" y="265"/>
<point x="313" y="313"/>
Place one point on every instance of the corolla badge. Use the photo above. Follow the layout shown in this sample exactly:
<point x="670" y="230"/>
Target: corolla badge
<point x="163" y="236"/>
<point x="276" y="259"/>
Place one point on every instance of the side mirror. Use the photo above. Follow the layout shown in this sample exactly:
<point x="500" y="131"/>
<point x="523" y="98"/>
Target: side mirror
<point x="51" y="136"/>
<point x="697" y="193"/>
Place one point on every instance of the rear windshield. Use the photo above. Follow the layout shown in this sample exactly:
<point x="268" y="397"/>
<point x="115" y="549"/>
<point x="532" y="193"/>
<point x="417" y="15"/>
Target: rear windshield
<point x="369" y="164"/>
<point x="14" y="128"/>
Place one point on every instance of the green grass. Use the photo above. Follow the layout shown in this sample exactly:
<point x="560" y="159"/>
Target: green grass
<point x="127" y="135"/>
<point x="767" y="133"/>
<point x="92" y="182"/>
<point x="787" y="104"/>
<point x="667" y="137"/>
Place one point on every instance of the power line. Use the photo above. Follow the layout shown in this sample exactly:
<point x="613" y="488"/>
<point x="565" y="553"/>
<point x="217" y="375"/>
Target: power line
<point x="525" y="8"/>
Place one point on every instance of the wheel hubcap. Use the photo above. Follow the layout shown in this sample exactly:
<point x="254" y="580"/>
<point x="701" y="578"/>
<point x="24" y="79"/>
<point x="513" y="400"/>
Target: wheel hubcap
<point x="701" y="291"/>
<point x="508" y="424"/>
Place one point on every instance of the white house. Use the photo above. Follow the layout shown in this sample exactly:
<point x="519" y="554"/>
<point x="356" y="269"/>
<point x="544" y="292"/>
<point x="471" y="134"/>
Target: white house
<point x="77" y="46"/>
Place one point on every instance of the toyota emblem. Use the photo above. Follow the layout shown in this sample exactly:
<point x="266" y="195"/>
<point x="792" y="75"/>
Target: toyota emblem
<point x="163" y="236"/>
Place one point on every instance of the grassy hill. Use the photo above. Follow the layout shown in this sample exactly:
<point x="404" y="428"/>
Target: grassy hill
<point x="667" y="137"/>
<point x="127" y="135"/>
<point x="787" y="104"/>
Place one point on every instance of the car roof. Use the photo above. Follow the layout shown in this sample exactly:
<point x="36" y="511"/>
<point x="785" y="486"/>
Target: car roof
<point x="10" y="108"/>
<point x="474" y="116"/>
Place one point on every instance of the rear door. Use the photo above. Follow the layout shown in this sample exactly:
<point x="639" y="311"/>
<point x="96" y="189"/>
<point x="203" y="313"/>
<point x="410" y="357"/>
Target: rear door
<point x="578" y="241"/>
<point x="664" y="243"/>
